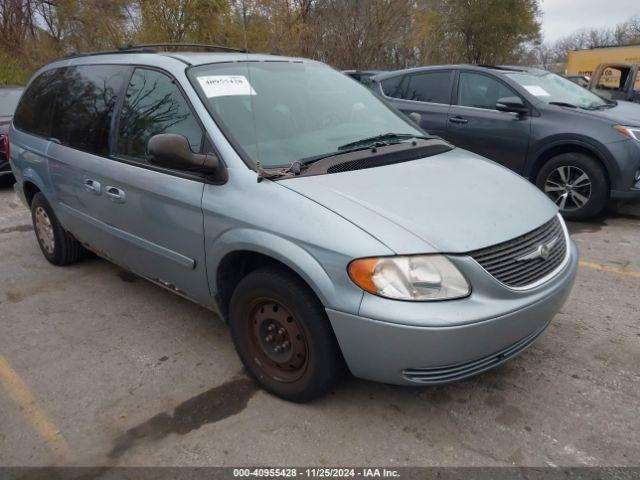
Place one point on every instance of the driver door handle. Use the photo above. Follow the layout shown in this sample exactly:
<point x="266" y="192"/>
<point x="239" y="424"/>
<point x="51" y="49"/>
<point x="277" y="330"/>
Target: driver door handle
<point x="458" y="120"/>
<point x="115" y="194"/>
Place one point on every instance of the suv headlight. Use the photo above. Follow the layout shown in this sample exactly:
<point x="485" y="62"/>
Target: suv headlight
<point x="631" y="132"/>
<point x="416" y="277"/>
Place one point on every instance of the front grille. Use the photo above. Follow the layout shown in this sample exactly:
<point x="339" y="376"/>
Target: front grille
<point x="462" y="370"/>
<point x="521" y="262"/>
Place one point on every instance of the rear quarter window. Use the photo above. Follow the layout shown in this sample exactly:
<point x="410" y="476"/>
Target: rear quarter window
<point x="33" y="114"/>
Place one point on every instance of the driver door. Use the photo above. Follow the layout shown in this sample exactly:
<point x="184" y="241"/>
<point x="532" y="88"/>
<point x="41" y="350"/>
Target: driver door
<point x="474" y="123"/>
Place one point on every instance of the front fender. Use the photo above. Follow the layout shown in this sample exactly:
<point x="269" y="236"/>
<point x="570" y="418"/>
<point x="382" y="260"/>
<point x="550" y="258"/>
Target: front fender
<point x="539" y="152"/>
<point x="290" y="254"/>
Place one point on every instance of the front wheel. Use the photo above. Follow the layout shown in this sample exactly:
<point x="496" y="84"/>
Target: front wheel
<point x="283" y="335"/>
<point x="576" y="183"/>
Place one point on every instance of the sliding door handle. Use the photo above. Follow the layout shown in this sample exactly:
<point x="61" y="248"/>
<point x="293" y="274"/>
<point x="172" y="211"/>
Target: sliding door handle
<point x="91" y="186"/>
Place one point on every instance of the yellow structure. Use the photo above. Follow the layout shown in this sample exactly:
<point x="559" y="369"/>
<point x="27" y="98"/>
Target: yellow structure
<point x="584" y="62"/>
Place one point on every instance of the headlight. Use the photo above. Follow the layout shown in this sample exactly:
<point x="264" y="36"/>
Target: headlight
<point x="631" y="132"/>
<point x="418" y="278"/>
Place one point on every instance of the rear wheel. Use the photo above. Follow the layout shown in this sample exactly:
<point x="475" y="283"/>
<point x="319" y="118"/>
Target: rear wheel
<point x="576" y="183"/>
<point x="58" y="247"/>
<point x="283" y="335"/>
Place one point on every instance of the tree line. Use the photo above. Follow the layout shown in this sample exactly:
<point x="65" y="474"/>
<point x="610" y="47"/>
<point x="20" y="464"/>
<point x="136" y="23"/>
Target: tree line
<point x="366" y="34"/>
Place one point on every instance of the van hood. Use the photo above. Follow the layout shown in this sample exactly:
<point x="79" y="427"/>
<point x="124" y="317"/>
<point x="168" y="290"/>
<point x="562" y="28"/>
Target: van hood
<point x="455" y="202"/>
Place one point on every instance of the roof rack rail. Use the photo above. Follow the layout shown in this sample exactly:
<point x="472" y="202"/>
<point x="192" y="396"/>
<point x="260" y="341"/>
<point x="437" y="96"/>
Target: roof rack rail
<point x="151" y="46"/>
<point x="512" y="68"/>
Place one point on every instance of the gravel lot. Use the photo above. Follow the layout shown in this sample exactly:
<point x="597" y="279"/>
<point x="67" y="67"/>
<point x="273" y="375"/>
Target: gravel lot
<point x="99" y="367"/>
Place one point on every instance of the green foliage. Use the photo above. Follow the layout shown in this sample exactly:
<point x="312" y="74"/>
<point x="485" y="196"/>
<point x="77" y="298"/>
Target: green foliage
<point x="487" y="31"/>
<point x="345" y="33"/>
<point x="11" y="72"/>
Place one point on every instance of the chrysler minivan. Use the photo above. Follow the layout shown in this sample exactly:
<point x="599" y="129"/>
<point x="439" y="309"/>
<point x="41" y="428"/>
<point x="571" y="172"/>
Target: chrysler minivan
<point x="328" y="230"/>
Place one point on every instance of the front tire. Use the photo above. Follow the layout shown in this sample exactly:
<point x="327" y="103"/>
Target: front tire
<point x="576" y="183"/>
<point x="283" y="335"/>
<point x="57" y="246"/>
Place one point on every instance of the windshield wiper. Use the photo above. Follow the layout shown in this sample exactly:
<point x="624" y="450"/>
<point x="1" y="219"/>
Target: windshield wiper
<point x="271" y="173"/>
<point x="382" y="139"/>
<point x="563" y="104"/>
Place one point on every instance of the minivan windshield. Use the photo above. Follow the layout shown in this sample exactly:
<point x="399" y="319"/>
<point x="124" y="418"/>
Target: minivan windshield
<point x="552" y="88"/>
<point x="281" y="111"/>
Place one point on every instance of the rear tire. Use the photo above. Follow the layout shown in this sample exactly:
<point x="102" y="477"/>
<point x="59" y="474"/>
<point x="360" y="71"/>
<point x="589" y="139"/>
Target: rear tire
<point x="576" y="183"/>
<point x="283" y="335"/>
<point x="56" y="244"/>
<point x="7" y="180"/>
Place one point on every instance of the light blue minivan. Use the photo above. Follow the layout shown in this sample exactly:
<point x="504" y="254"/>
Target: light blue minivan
<point x="329" y="231"/>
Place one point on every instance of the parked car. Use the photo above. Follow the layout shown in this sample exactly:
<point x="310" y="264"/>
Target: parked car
<point x="9" y="97"/>
<point x="363" y="76"/>
<point x="577" y="147"/>
<point x="581" y="80"/>
<point x="323" y="225"/>
<point x="617" y="81"/>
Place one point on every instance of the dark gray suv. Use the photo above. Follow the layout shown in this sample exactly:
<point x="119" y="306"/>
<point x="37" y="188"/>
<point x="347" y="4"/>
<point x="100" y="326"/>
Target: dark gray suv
<point x="579" y="148"/>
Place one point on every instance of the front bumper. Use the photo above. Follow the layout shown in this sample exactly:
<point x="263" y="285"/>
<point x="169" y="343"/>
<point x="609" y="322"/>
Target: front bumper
<point x="409" y="354"/>
<point x="626" y="153"/>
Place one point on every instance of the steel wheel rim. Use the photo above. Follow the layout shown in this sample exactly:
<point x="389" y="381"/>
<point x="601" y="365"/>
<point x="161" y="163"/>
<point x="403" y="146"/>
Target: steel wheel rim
<point x="284" y="356"/>
<point x="44" y="230"/>
<point x="569" y="187"/>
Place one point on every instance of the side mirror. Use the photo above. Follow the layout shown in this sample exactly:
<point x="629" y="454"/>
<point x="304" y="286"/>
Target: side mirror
<point x="171" y="150"/>
<point x="512" y="104"/>
<point x="416" y="117"/>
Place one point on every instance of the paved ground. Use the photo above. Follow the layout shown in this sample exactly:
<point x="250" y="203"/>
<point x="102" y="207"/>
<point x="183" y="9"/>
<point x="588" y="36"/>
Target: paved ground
<point x="98" y="367"/>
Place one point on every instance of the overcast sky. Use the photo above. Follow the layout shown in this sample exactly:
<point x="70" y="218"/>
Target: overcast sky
<point x="562" y="17"/>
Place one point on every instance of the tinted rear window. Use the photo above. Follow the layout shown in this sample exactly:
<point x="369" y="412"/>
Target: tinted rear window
<point x="33" y="114"/>
<point x="85" y="104"/>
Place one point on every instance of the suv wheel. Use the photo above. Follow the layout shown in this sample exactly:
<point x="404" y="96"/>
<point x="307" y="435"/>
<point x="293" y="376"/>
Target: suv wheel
<point x="58" y="247"/>
<point x="283" y="335"/>
<point x="576" y="183"/>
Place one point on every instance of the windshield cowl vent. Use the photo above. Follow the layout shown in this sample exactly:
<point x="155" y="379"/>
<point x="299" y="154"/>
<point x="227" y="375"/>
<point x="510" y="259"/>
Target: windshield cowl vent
<point x="362" y="159"/>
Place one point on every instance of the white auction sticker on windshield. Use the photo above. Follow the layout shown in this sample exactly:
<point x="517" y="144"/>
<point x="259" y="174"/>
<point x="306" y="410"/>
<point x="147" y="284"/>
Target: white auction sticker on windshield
<point x="537" y="90"/>
<point x="225" y="85"/>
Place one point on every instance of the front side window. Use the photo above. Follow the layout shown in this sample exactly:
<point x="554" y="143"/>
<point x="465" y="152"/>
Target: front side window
<point x="33" y="114"/>
<point x="84" y="106"/>
<point x="481" y="91"/>
<point x="153" y="104"/>
<point x="432" y="87"/>
<point x="552" y="88"/>
<point x="279" y="112"/>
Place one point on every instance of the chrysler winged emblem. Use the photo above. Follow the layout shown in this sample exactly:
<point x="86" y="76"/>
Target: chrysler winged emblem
<point x="541" y="251"/>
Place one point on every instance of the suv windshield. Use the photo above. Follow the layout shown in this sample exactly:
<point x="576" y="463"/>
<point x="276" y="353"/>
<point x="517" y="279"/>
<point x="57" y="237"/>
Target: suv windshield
<point x="279" y="112"/>
<point x="552" y="88"/>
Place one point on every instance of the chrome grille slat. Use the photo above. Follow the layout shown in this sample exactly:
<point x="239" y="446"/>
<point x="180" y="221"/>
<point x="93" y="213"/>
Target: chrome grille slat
<point x="522" y="266"/>
<point x="492" y="257"/>
<point x="501" y="260"/>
